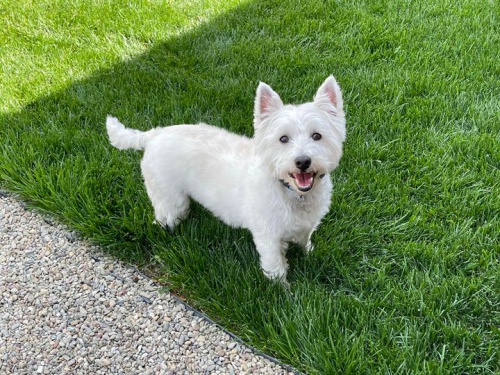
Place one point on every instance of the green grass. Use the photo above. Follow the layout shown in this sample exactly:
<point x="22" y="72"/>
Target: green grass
<point x="405" y="277"/>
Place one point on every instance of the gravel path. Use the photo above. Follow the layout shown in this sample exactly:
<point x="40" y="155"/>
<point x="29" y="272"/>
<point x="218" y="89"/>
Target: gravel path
<point x="65" y="308"/>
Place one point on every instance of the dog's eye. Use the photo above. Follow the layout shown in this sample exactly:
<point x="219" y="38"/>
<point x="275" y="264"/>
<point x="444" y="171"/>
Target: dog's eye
<point x="316" y="136"/>
<point x="284" y="139"/>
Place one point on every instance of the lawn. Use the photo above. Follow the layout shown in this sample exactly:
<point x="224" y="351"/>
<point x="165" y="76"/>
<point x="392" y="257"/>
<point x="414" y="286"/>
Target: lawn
<point x="405" y="276"/>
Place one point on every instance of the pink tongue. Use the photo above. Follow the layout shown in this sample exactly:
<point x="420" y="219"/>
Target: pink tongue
<point x="304" y="179"/>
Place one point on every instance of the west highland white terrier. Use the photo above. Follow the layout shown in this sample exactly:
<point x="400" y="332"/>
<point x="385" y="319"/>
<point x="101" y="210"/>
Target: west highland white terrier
<point x="275" y="184"/>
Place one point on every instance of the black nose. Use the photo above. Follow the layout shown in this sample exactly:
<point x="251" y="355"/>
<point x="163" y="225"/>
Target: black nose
<point x="303" y="162"/>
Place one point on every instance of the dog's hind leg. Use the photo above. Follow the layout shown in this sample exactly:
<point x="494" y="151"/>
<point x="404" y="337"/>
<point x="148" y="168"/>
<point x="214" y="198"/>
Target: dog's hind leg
<point x="171" y="212"/>
<point x="170" y="206"/>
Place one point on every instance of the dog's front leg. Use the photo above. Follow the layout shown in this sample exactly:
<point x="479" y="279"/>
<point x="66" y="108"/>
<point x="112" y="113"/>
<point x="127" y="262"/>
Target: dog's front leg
<point x="304" y="241"/>
<point x="272" y="256"/>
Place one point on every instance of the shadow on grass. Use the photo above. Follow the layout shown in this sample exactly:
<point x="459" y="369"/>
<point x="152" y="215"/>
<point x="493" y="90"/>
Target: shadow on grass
<point x="206" y="75"/>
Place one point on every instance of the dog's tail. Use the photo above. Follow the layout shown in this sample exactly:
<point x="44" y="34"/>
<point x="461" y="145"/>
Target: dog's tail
<point x="124" y="138"/>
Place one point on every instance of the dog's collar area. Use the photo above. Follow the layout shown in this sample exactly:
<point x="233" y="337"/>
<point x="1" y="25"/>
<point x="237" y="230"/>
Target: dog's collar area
<point x="286" y="184"/>
<point x="300" y="197"/>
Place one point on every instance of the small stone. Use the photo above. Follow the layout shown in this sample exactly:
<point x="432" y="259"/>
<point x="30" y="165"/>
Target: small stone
<point x="201" y="339"/>
<point x="104" y="362"/>
<point x="182" y="339"/>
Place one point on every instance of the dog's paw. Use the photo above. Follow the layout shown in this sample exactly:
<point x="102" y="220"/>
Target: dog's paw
<point x="158" y="222"/>
<point x="167" y="227"/>
<point x="277" y="273"/>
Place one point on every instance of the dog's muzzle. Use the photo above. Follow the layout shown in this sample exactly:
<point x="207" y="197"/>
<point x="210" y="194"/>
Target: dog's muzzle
<point x="303" y="179"/>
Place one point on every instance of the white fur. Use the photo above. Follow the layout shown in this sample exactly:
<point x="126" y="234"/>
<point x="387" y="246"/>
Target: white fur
<point x="243" y="181"/>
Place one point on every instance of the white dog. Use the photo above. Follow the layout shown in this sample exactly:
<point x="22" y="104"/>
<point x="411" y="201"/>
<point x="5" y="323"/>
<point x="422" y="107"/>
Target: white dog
<point x="275" y="184"/>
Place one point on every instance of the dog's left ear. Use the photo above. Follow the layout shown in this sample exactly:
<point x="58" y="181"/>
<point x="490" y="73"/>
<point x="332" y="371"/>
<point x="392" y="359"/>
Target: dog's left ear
<point x="329" y="96"/>
<point x="266" y="102"/>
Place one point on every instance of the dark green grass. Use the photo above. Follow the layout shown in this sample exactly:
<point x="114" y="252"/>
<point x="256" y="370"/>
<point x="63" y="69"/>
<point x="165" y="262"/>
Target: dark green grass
<point x="405" y="276"/>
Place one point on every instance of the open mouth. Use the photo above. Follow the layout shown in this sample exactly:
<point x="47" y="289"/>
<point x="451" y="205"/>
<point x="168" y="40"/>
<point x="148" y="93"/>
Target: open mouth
<point x="304" y="181"/>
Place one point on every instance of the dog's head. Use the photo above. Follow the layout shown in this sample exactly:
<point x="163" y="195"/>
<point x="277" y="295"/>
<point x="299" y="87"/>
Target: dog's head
<point x="300" y="143"/>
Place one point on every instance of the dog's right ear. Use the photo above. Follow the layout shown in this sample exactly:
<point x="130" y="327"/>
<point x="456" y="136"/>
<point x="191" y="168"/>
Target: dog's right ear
<point x="266" y="102"/>
<point x="329" y="95"/>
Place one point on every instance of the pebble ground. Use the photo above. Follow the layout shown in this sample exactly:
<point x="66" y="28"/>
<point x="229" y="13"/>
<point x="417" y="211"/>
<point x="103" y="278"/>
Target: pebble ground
<point x="65" y="308"/>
